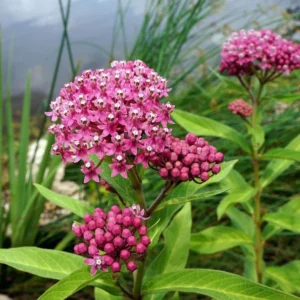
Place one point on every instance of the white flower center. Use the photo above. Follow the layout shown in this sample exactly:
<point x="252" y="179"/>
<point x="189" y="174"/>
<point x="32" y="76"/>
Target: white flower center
<point x="88" y="165"/>
<point x="119" y="158"/>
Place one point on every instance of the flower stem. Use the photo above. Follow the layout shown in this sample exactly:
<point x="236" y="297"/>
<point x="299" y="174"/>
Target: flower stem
<point x="137" y="186"/>
<point x="258" y="244"/>
<point x="138" y="280"/>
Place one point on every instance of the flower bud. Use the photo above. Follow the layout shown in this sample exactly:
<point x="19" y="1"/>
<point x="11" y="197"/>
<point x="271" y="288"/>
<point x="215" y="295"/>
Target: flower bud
<point x="191" y="138"/>
<point x="216" y="169"/>
<point x="131" y="266"/>
<point x="131" y="241"/>
<point x="124" y="254"/>
<point x="116" y="267"/>
<point x="109" y="248"/>
<point x="145" y="240"/>
<point x="140" y="248"/>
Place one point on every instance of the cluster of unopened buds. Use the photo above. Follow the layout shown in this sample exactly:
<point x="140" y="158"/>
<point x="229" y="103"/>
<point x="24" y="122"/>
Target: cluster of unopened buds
<point x="120" y="236"/>
<point x="240" y="107"/>
<point x="246" y="52"/>
<point x="111" y="112"/>
<point x="189" y="159"/>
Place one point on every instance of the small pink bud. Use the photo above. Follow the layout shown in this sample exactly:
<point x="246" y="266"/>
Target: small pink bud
<point x="93" y="242"/>
<point x="203" y="157"/>
<point x="76" y="251"/>
<point x="191" y="138"/>
<point x="126" y="233"/>
<point x="175" y="173"/>
<point x="119" y="219"/>
<point x="163" y="172"/>
<point x="173" y="157"/>
<point x="92" y="250"/>
<point x="116" y="230"/>
<point x="118" y="242"/>
<point x="110" y="226"/>
<point x="99" y="231"/>
<point x="178" y="165"/>
<point x="116" y="209"/>
<point x="145" y="240"/>
<point x="109" y="248"/>
<point x="92" y="225"/>
<point x="131" y="266"/>
<point x="195" y="172"/>
<point x="131" y="241"/>
<point x="205" y="166"/>
<point x="216" y="169"/>
<point x="108" y="260"/>
<point x="82" y="248"/>
<point x="87" y="218"/>
<point x="137" y="222"/>
<point x="126" y="212"/>
<point x="87" y="235"/>
<point x="124" y="254"/>
<point x="140" y="248"/>
<point x="84" y="228"/>
<point x="111" y="214"/>
<point x="127" y="221"/>
<point x="143" y="230"/>
<point x="204" y="176"/>
<point x="169" y="165"/>
<point x="100" y="239"/>
<point x="200" y="142"/>
<point x="184" y="176"/>
<point x="116" y="267"/>
<point x="108" y="236"/>
<point x="211" y="158"/>
<point x="100" y="223"/>
<point x="219" y="157"/>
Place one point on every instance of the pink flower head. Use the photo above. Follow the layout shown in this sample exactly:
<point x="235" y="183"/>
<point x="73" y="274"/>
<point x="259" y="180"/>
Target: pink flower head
<point x="108" y="112"/>
<point x="137" y="211"/>
<point x="247" y="51"/>
<point x="189" y="159"/>
<point x="240" y="107"/>
<point x="120" y="234"/>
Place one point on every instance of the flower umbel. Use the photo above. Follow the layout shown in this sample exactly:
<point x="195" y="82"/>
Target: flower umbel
<point x="111" y="112"/>
<point x="247" y="52"/>
<point x="111" y="239"/>
<point x="240" y="107"/>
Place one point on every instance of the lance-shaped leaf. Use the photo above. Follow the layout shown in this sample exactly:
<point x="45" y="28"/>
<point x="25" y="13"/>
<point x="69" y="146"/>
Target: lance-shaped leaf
<point x="208" y="127"/>
<point x="287" y="276"/>
<point x="281" y="153"/>
<point x="78" y="207"/>
<point x="276" y="167"/>
<point x="216" y="284"/>
<point x="218" y="238"/>
<point x="72" y="283"/>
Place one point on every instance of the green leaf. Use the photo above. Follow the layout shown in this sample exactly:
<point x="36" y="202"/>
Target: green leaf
<point x="208" y="127"/>
<point x="195" y="197"/>
<point x="239" y="195"/>
<point x="103" y="295"/>
<point x="159" y="221"/>
<point x="281" y="153"/>
<point x="78" y="207"/>
<point x="216" y="284"/>
<point x="287" y="276"/>
<point x="276" y="167"/>
<point x="291" y="208"/>
<point x="71" y="284"/>
<point x="218" y="238"/>
<point x="120" y="184"/>
<point x="175" y="253"/>
<point x="41" y="262"/>
<point x="285" y="221"/>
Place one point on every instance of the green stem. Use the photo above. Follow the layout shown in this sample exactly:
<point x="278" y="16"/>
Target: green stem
<point x="137" y="186"/>
<point x="258" y="244"/>
<point x="138" y="279"/>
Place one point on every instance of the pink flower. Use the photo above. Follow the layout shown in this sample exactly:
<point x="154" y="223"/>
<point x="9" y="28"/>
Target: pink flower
<point x="119" y="166"/>
<point x="90" y="171"/>
<point x="137" y="211"/>
<point x="97" y="263"/>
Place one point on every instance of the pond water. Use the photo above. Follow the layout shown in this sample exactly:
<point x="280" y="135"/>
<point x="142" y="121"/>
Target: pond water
<point x="36" y="28"/>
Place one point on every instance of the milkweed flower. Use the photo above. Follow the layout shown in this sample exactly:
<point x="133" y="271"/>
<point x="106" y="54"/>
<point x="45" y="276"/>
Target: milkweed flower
<point x="112" y="239"/>
<point x="111" y="112"/>
<point x="246" y="52"/>
<point x="240" y="107"/>
<point x="189" y="159"/>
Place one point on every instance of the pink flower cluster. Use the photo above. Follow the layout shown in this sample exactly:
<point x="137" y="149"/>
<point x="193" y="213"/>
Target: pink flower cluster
<point x="189" y="159"/>
<point x="240" y="107"/>
<point x="111" y="112"/>
<point x="259" y="50"/>
<point x="120" y="234"/>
